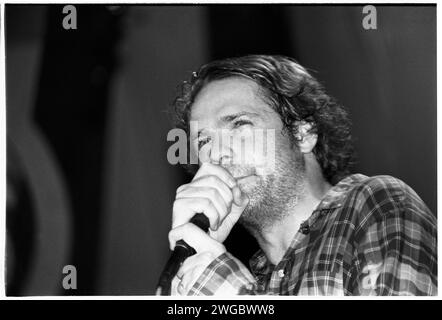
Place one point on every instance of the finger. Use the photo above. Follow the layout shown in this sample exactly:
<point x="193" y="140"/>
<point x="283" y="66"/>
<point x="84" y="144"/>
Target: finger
<point x="181" y="187"/>
<point x="190" y="278"/>
<point x="188" y="232"/>
<point x="180" y="289"/>
<point x="208" y="168"/>
<point x="185" y="208"/>
<point x="196" y="238"/>
<point x="239" y="198"/>
<point x="240" y="202"/>
<point x="174" y="286"/>
<point x="212" y="181"/>
<point x="203" y="258"/>
<point x="210" y="193"/>
<point x="227" y="223"/>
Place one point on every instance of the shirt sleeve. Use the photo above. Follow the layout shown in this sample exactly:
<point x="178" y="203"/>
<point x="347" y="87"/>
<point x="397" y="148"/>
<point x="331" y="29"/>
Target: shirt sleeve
<point x="225" y="276"/>
<point x="397" y="245"/>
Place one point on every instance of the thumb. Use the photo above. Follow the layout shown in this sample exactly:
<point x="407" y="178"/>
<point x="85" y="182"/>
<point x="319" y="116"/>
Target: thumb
<point x="240" y="199"/>
<point x="194" y="237"/>
<point x="240" y="202"/>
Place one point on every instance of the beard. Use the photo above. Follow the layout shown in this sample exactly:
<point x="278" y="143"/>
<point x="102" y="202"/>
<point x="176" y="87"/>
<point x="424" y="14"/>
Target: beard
<point x="273" y="194"/>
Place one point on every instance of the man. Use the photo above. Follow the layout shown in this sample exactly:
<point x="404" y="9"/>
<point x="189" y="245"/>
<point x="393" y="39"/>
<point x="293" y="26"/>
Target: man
<point x="321" y="230"/>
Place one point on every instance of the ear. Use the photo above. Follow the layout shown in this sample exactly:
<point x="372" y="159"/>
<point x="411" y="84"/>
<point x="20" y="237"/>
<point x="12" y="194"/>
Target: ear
<point x="305" y="137"/>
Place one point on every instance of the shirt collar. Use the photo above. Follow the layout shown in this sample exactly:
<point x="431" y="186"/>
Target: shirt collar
<point x="337" y="194"/>
<point x="333" y="199"/>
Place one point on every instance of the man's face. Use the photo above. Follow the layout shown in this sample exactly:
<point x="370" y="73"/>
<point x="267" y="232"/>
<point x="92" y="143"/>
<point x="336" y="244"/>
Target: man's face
<point x="266" y="163"/>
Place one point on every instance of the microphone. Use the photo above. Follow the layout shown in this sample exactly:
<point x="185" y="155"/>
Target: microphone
<point x="180" y="253"/>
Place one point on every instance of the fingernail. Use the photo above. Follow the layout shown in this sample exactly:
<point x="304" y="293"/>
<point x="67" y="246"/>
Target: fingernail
<point x="240" y="198"/>
<point x="244" y="199"/>
<point x="236" y="195"/>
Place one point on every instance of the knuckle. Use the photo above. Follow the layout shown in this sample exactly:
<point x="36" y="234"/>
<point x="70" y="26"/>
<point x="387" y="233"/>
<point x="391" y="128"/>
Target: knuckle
<point x="177" y="204"/>
<point x="229" y="197"/>
<point x="213" y="193"/>
<point x="171" y="235"/>
<point x="185" y="228"/>
<point x="206" y="256"/>
<point x="204" y="166"/>
<point x="216" y="221"/>
<point x="183" y="267"/>
<point x="181" y="188"/>
<point x="208" y="165"/>
<point x="206" y="202"/>
<point x="213" y="179"/>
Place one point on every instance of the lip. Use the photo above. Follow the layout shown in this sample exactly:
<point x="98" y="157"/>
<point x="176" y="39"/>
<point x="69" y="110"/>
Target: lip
<point x="241" y="178"/>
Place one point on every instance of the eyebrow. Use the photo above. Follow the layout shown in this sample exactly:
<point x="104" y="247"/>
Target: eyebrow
<point x="231" y="117"/>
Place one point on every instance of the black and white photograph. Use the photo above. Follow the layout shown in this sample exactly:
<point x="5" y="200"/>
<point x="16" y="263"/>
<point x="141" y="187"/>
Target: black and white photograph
<point x="220" y="150"/>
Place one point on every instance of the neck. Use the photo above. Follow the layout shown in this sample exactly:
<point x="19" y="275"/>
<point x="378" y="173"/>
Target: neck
<point x="276" y="239"/>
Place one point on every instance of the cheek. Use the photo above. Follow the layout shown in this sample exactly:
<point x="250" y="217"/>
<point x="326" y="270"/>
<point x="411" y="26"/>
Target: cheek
<point x="258" y="149"/>
<point x="245" y="152"/>
<point x="265" y="151"/>
<point x="279" y="155"/>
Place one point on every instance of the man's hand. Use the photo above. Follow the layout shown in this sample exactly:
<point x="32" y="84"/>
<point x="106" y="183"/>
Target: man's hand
<point x="215" y="193"/>
<point x="207" y="250"/>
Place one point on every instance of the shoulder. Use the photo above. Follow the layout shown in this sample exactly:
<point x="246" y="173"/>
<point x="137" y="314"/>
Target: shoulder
<point x="381" y="197"/>
<point x="381" y="187"/>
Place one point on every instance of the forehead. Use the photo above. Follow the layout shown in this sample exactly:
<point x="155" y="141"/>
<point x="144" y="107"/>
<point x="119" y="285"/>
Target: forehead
<point x="227" y="96"/>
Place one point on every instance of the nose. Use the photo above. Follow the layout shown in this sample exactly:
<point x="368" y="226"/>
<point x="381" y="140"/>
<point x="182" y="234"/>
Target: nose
<point x="220" y="152"/>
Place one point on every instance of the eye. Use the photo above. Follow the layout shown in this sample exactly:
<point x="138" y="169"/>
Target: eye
<point x="241" y="122"/>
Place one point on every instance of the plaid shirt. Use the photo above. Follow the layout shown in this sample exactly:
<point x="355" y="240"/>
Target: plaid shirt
<point x="368" y="236"/>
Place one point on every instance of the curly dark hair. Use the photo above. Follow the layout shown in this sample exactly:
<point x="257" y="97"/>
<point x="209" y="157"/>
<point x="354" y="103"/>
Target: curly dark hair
<point x="292" y="92"/>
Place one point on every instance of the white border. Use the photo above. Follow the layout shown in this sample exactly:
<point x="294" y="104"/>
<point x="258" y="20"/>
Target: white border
<point x="439" y="132"/>
<point x="2" y="153"/>
<point x="254" y="298"/>
<point x="201" y="2"/>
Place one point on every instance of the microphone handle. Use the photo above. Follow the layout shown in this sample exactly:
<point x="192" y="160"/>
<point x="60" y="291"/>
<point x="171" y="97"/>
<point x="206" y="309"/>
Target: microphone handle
<point x="180" y="253"/>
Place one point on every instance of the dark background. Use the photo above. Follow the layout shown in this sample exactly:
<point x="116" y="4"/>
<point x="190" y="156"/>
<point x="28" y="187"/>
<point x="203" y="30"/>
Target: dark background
<point x="88" y="179"/>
